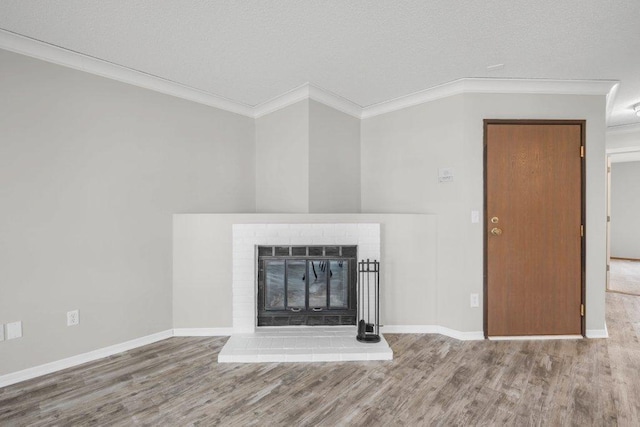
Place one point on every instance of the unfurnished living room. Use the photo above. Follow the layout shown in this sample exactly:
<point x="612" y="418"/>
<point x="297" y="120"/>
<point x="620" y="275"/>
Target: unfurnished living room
<point x="334" y="213"/>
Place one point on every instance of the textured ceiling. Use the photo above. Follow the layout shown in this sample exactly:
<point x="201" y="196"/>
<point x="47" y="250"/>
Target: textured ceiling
<point x="367" y="51"/>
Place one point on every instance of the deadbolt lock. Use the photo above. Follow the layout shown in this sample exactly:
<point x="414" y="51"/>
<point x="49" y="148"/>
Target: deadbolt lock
<point x="496" y="231"/>
<point x="494" y="220"/>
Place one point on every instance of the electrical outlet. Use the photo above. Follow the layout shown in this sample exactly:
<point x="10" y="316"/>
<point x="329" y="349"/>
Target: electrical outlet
<point x="14" y="330"/>
<point x="73" y="318"/>
<point x="1" y="332"/>
<point x="474" y="300"/>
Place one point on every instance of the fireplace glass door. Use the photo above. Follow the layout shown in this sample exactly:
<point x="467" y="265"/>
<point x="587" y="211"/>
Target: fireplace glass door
<point x="306" y="290"/>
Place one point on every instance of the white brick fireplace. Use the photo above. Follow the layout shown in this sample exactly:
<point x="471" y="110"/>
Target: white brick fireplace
<point x="252" y="344"/>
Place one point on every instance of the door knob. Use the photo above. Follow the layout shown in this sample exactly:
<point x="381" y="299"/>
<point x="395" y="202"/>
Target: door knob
<point x="496" y="231"/>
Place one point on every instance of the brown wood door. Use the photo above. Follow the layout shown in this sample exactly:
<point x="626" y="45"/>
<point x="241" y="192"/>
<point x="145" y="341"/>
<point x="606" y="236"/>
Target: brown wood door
<point x="534" y="213"/>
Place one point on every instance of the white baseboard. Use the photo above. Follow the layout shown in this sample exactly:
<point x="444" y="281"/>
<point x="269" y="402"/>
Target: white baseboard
<point x="409" y="329"/>
<point x="433" y="329"/>
<point x="202" y="332"/>
<point x="69" y="362"/>
<point x="598" y="333"/>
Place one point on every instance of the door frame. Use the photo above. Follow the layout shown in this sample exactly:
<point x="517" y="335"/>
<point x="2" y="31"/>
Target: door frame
<point x="583" y="245"/>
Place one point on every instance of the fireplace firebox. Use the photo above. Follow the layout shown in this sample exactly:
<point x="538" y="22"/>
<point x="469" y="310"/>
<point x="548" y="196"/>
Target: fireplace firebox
<point x="307" y="285"/>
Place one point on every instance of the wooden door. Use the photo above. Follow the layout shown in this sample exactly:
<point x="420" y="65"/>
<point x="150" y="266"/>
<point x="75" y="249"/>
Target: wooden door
<point x="533" y="229"/>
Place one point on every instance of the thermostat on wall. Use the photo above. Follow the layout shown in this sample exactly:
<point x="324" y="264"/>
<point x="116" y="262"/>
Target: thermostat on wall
<point x="445" y="175"/>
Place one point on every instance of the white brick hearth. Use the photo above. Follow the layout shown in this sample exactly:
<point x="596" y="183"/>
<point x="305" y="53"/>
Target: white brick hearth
<point x="250" y="343"/>
<point x="302" y="344"/>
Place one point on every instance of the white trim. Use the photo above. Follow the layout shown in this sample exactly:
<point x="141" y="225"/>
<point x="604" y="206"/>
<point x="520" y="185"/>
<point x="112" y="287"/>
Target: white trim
<point x="623" y="150"/>
<point x="462" y="336"/>
<point x="598" y="333"/>
<point x="334" y="101"/>
<point x="290" y="97"/>
<point x="58" y="55"/>
<point x="308" y="91"/>
<point x="536" y="337"/>
<point x="624" y="154"/>
<point x="630" y="156"/>
<point x="433" y="329"/>
<point x="202" y="332"/>
<point x="69" y="362"/>
<point x="61" y="56"/>
<point x="488" y="85"/>
<point x="409" y="329"/>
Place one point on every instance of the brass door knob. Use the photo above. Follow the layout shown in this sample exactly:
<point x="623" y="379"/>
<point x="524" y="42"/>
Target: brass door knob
<point x="496" y="231"/>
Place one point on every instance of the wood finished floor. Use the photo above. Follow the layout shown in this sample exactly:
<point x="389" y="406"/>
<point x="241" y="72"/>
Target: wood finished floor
<point x="434" y="380"/>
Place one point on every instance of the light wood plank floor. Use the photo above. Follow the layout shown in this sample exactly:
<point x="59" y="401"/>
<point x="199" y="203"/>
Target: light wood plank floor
<point x="433" y="380"/>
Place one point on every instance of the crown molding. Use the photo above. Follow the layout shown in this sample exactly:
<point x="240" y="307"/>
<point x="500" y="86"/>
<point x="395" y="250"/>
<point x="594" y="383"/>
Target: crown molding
<point x="308" y="91"/>
<point x="47" y="52"/>
<point x="504" y="86"/>
<point x="290" y="97"/>
<point x="335" y="101"/>
<point x="60" y="56"/>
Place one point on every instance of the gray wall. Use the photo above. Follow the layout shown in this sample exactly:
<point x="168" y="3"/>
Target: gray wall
<point x="401" y="154"/>
<point x="282" y="160"/>
<point x="334" y="160"/>
<point x="307" y="160"/>
<point x="625" y="210"/>
<point x="91" y="171"/>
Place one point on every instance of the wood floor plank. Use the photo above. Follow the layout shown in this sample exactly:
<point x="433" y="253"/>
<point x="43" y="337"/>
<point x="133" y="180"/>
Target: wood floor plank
<point x="433" y="380"/>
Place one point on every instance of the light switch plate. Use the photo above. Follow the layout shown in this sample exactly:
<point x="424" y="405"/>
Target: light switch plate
<point x="14" y="330"/>
<point x="475" y="217"/>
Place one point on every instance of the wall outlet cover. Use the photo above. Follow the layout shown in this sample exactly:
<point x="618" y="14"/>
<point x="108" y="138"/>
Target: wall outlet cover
<point x="73" y="318"/>
<point x="474" y="300"/>
<point x="14" y="330"/>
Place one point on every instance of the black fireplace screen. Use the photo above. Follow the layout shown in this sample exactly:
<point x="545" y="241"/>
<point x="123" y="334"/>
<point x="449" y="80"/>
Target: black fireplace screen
<point x="306" y="285"/>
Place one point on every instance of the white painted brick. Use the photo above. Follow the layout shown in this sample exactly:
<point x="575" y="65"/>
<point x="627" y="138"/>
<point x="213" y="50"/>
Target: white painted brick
<point x="299" y="240"/>
<point x="243" y="232"/>
<point x="310" y="232"/>
<point x="246" y="278"/>
<point x="245" y="288"/>
<point x="245" y="299"/>
<point x="277" y="228"/>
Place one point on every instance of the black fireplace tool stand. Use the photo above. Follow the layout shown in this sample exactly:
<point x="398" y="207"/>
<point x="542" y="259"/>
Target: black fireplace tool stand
<point x="368" y="301"/>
